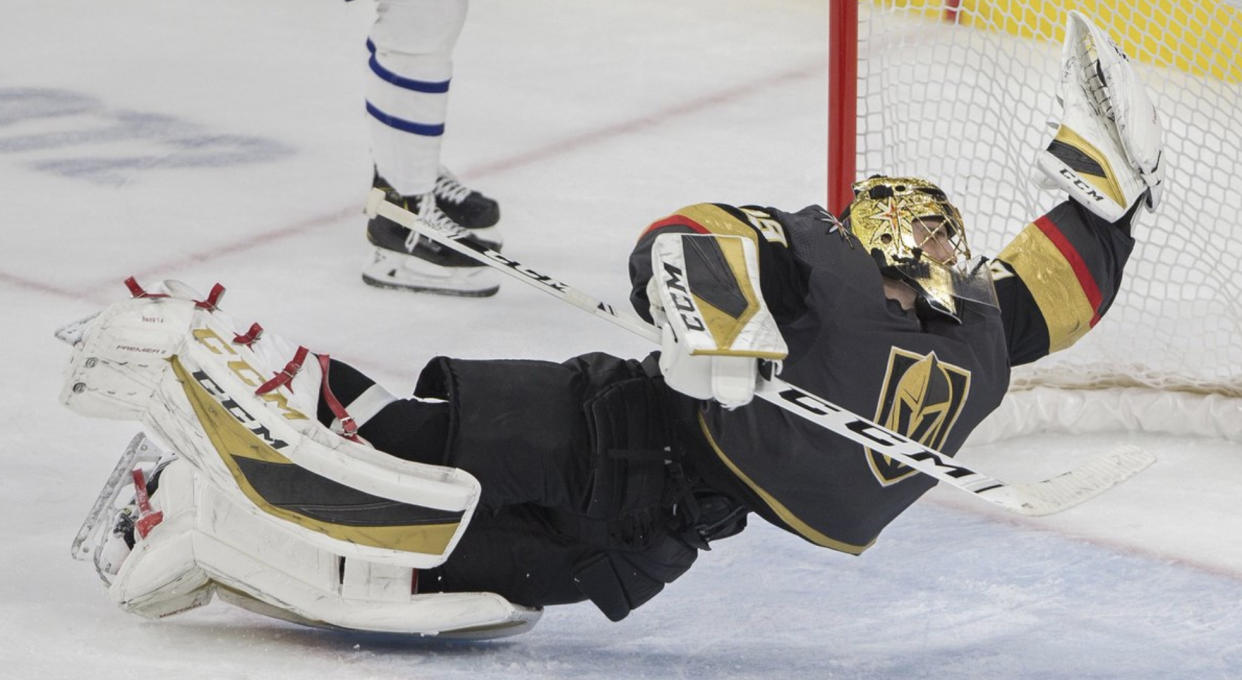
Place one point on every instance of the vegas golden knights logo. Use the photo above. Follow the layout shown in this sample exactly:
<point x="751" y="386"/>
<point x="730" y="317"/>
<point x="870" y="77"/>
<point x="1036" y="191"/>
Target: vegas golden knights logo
<point x="921" y="398"/>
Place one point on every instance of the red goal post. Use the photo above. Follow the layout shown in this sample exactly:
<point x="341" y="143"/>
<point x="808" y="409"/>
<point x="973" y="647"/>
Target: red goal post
<point x="961" y="92"/>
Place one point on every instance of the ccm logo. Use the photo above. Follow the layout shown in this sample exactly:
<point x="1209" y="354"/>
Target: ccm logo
<point x="673" y="282"/>
<point x="1082" y="185"/>
<point x="244" y="372"/>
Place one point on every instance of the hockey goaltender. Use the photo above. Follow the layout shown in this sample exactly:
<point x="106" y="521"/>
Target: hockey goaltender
<point x="295" y="486"/>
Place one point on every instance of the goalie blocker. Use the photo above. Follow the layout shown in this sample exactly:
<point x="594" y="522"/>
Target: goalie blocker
<point x="714" y="322"/>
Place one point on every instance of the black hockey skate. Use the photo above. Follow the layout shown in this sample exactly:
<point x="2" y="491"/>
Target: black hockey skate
<point x="466" y="206"/>
<point x="407" y="261"/>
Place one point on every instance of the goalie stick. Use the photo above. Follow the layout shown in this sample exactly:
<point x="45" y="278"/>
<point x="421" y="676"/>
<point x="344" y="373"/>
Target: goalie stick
<point x="1032" y="498"/>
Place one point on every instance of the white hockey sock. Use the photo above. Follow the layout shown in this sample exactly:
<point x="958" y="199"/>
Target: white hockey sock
<point x="409" y="69"/>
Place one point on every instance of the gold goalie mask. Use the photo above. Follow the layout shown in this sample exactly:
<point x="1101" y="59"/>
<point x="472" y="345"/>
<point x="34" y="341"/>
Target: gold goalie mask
<point x="916" y="235"/>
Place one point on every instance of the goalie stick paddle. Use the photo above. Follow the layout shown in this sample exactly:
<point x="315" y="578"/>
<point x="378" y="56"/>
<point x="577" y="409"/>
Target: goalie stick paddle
<point x="1032" y="498"/>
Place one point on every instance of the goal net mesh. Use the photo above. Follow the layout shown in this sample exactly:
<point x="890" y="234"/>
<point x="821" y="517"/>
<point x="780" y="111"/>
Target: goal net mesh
<point x="962" y="94"/>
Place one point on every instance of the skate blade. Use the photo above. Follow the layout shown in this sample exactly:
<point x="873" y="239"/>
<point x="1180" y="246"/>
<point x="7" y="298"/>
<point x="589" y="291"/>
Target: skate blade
<point x="89" y="539"/>
<point x="72" y="334"/>
<point x="416" y="288"/>
<point x="400" y="271"/>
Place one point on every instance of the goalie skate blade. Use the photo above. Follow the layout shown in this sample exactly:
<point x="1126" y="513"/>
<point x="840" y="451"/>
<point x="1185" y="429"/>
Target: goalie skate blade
<point x="98" y="520"/>
<point x="71" y="334"/>
<point x="1071" y="488"/>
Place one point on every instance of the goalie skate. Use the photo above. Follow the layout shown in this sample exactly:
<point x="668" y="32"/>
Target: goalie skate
<point x="101" y="537"/>
<point x="260" y="501"/>
<point x="72" y="333"/>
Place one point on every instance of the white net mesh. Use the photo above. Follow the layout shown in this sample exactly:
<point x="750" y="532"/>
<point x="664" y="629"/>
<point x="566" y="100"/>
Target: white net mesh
<point x="966" y="104"/>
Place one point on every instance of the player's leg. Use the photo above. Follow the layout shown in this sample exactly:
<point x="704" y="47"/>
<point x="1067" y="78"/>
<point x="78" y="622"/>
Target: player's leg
<point x="580" y="485"/>
<point x="408" y="79"/>
<point x="186" y="539"/>
<point x="536" y="557"/>
<point x="260" y="499"/>
<point x="411" y="429"/>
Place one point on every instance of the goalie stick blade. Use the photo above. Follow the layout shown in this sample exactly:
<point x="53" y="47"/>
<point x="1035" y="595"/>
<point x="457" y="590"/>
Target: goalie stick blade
<point x="1071" y="488"/>
<point x="98" y="520"/>
<point x="1034" y="498"/>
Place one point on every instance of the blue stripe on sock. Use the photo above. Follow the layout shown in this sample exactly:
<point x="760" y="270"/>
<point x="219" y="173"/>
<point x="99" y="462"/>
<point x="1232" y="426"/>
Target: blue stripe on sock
<point x="405" y="83"/>
<point x="405" y="125"/>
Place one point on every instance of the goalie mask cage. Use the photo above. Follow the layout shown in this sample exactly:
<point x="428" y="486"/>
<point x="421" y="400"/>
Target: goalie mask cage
<point x="962" y="91"/>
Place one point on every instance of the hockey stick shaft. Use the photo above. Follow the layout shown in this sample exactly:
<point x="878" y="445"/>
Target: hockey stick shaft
<point x="1037" y="498"/>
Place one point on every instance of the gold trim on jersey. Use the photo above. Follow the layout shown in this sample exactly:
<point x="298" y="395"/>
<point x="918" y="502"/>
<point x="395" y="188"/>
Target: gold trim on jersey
<point x="802" y="528"/>
<point x="723" y="326"/>
<point x="921" y="397"/>
<point x="717" y="220"/>
<point x="1053" y="284"/>
<point x="233" y="439"/>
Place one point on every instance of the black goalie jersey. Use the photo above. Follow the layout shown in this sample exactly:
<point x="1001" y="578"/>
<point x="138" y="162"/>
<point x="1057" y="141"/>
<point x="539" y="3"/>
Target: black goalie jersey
<point x="924" y="376"/>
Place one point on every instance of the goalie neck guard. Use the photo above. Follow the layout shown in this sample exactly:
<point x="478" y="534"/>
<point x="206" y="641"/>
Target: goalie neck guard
<point x="917" y="236"/>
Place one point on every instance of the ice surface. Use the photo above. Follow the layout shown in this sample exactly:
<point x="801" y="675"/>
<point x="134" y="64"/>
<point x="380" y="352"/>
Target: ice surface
<point x="225" y="141"/>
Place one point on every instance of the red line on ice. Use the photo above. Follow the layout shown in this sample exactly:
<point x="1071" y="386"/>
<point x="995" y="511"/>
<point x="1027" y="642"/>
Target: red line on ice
<point x="501" y="165"/>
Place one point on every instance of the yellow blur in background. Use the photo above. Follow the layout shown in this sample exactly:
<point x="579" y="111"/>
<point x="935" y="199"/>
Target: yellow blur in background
<point x="1201" y="37"/>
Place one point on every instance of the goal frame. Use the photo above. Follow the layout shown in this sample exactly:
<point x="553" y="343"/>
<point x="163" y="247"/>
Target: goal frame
<point x="1041" y="400"/>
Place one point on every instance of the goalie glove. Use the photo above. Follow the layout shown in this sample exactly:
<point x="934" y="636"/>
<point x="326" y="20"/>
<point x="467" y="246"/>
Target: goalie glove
<point x="1107" y="149"/>
<point x="704" y="295"/>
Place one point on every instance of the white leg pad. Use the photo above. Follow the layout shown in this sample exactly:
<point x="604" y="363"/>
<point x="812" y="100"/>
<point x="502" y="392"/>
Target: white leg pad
<point x="209" y="542"/>
<point x="180" y="369"/>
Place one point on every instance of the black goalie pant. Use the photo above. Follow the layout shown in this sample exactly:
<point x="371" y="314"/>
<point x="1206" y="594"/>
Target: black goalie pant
<point x="577" y="467"/>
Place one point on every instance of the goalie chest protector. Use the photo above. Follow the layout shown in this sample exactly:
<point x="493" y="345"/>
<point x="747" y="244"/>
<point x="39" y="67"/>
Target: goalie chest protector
<point x="929" y="378"/>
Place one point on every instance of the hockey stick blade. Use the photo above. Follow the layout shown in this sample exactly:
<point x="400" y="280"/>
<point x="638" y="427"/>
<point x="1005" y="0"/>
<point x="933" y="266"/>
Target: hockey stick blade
<point x="1033" y="498"/>
<point x="1071" y="488"/>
